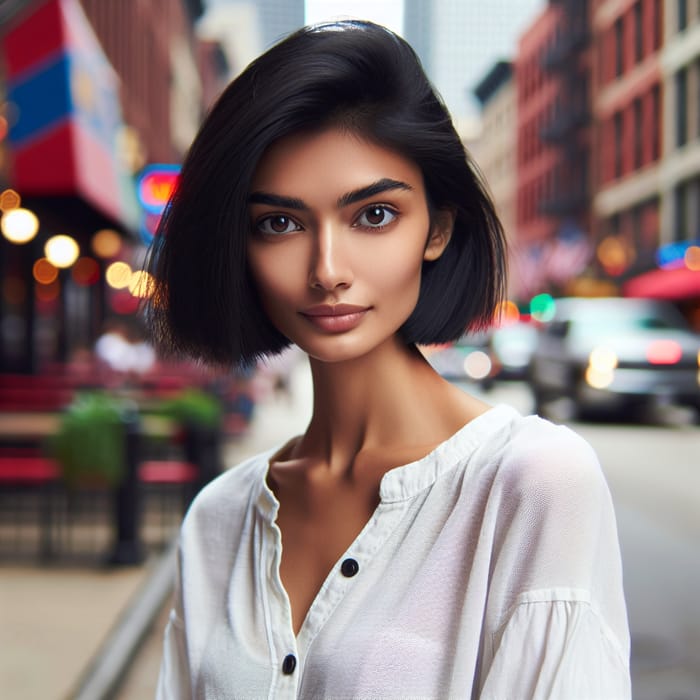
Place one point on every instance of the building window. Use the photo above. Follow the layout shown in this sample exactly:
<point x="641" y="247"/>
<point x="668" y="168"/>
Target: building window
<point x="657" y="24"/>
<point x="638" y="133"/>
<point x="617" y="129"/>
<point x="682" y="8"/>
<point x="638" y="33"/>
<point x="619" y="47"/>
<point x="680" y="205"/>
<point x="681" y="107"/>
<point x="655" y="123"/>
<point x="693" y="210"/>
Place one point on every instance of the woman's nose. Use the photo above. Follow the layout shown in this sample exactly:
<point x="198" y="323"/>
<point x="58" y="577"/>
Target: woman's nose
<point x="330" y="264"/>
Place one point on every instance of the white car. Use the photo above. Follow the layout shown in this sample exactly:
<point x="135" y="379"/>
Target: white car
<point x="615" y="354"/>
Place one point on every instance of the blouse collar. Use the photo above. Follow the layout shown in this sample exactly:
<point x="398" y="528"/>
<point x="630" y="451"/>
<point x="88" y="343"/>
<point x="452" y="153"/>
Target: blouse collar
<point x="410" y="479"/>
<point x="406" y="481"/>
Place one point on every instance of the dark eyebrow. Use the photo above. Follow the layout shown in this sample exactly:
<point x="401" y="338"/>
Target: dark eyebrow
<point x="278" y="200"/>
<point x="384" y="185"/>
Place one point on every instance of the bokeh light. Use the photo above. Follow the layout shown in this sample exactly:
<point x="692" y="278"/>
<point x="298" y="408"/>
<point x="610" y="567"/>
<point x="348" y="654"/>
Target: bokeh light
<point x="44" y="272"/>
<point x="599" y="379"/>
<point x="477" y="365"/>
<point x="603" y="359"/>
<point x="9" y="199"/>
<point x="664" y="352"/>
<point x="692" y="258"/>
<point x="62" y="251"/>
<point x="614" y="255"/>
<point x="19" y="225"/>
<point x="542" y="307"/>
<point x="507" y="313"/>
<point x="141" y="284"/>
<point x="118" y="275"/>
<point x="85" y="272"/>
<point x="106" y="243"/>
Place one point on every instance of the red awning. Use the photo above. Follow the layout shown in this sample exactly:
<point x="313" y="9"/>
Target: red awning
<point x="675" y="284"/>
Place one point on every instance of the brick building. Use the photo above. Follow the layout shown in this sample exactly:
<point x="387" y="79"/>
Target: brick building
<point x="153" y="50"/>
<point x="553" y="151"/>
<point x="647" y="205"/>
<point x="537" y="93"/>
<point x="628" y="107"/>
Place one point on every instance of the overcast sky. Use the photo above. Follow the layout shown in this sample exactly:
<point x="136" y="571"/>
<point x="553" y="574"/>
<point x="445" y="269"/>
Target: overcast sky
<point x="490" y="32"/>
<point x="491" y="29"/>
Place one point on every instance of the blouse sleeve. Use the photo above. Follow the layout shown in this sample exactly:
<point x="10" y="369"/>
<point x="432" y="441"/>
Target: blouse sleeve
<point x="556" y="647"/>
<point x="559" y="626"/>
<point x="174" y="677"/>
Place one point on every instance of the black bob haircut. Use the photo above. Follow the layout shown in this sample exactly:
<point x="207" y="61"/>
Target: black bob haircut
<point x="354" y="75"/>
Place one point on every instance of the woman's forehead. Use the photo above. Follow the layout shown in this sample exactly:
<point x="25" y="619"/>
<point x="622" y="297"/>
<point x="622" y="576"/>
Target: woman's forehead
<point x="331" y="157"/>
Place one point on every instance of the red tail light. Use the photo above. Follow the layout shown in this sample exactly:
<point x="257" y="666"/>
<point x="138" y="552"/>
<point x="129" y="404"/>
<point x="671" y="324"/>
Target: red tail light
<point x="664" y="352"/>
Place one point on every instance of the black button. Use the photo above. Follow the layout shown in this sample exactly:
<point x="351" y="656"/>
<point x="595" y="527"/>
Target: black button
<point x="349" y="567"/>
<point x="289" y="664"/>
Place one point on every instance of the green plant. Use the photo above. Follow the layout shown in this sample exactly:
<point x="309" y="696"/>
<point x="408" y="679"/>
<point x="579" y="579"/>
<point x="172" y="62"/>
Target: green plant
<point x="193" y="407"/>
<point x="89" y="443"/>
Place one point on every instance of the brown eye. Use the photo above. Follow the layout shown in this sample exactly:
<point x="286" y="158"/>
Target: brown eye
<point x="376" y="216"/>
<point x="277" y="224"/>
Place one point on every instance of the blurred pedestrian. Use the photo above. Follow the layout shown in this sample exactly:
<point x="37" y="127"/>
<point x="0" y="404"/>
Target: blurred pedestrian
<point x="414" y="541"/>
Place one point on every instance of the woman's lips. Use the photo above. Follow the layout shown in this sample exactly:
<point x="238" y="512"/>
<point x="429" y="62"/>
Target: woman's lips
<point x="335" y="318"/>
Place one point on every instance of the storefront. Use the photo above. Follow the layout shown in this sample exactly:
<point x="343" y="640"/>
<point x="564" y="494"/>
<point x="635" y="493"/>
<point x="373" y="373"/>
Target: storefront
<point x="64" y="129"/>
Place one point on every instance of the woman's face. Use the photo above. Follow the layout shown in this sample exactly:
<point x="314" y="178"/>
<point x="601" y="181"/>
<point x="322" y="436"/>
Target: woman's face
<point x="340" y="230"/>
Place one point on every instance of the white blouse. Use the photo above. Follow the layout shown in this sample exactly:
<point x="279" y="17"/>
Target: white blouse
<point x="490" y="569"/>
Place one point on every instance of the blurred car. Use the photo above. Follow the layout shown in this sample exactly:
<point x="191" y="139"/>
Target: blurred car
<point x="615" y="354"/>
<point x="468" y="359"/>
<point x="512" y="345"/>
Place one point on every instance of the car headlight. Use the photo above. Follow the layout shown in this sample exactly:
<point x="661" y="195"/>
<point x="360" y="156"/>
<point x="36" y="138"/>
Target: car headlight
<point x="601" y="367"/>
<point x="602" y="359"/>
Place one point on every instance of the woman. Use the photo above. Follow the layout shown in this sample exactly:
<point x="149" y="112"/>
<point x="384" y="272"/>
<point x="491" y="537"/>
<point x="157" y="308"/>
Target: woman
<point x="414" y="541"/>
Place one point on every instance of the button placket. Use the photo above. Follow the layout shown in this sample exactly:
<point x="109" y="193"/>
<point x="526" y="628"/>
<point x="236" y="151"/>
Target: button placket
<point x="284" y="646"/>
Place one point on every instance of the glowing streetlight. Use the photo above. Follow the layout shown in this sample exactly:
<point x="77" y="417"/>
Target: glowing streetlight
<point x="19" y="225"/>
<point x="61" y="251"/>
<point x="118" y="275"/>
<point x="106" y="243"/>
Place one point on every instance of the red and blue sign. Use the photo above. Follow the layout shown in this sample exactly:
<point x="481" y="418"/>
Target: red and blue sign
<point x="64" y="92"/>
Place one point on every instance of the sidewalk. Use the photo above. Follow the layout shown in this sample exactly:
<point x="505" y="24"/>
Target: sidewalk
<point x="56" y="624"/>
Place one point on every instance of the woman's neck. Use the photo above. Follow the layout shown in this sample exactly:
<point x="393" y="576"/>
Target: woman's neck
<point x="389" y="402"/>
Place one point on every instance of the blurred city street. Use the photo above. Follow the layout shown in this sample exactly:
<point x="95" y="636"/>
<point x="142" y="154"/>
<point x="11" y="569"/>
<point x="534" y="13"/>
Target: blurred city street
<point x="584" y="120"/>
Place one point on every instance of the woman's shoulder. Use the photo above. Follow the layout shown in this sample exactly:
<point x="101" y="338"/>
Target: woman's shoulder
<point x="545" y="463"/>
